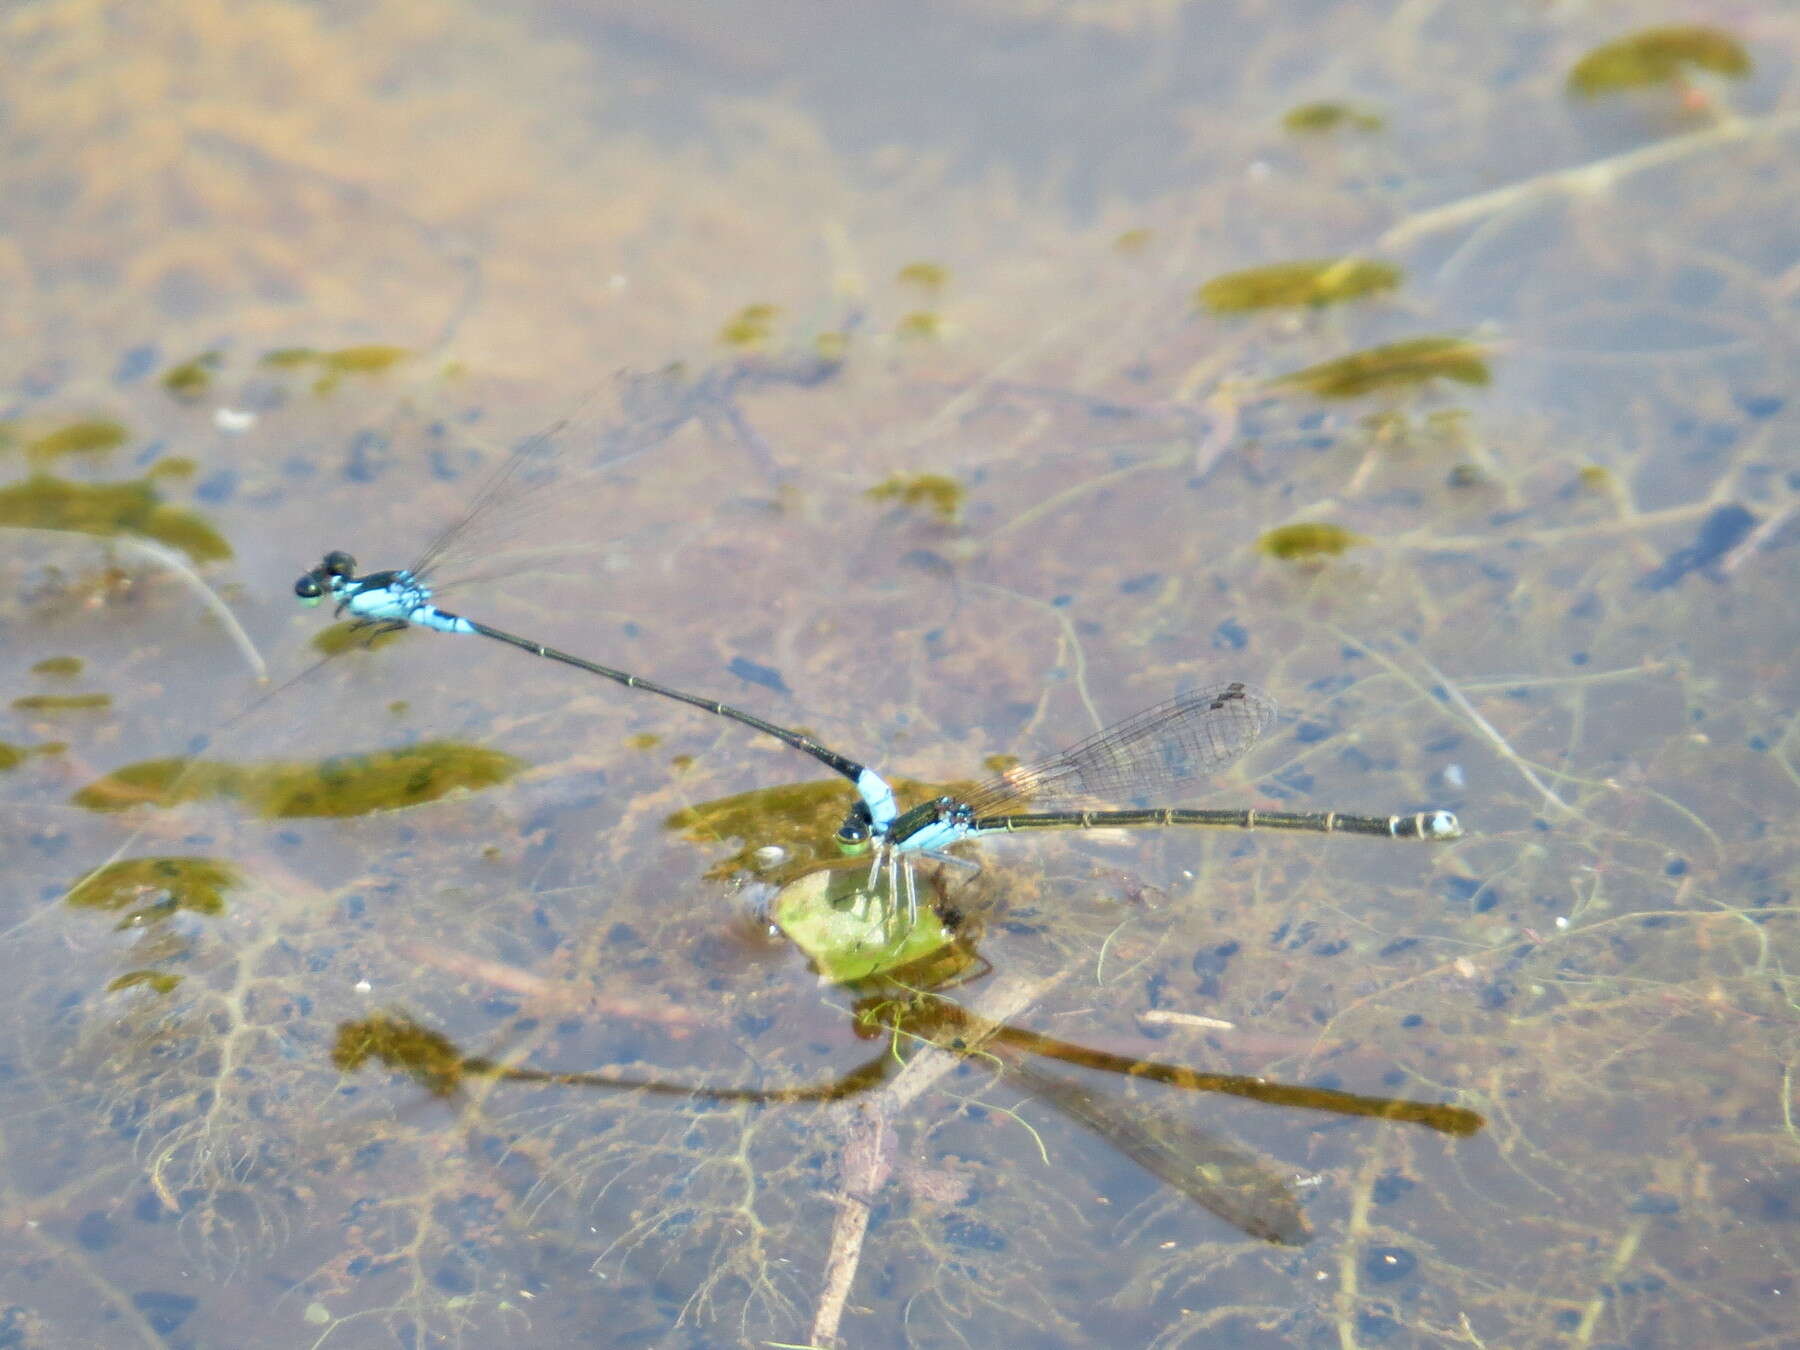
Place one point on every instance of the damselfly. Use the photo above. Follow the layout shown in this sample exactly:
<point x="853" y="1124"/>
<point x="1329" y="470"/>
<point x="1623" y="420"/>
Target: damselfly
<point x="1188" y="738"/>
<point x="390" y="600"/>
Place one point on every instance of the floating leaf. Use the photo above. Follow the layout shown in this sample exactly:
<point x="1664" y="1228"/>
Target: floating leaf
<point x="1307" y="539"/>
<point x="1657" y="56"/>
<point x="1397" y="364"/>
<point x="58" y="667"/>
<point x="750" y="326"/>
<point x="47" y="503"/>
<point x="61" y="702"/>
<point x="94" y="436"/>
<point x="935" y="492"/>
<point x="343" y="785"/>
<point x="191" y="378"/>
<point x="1315" y="282"/>
<point x="1313" y="119"/>
<point x="156" y="887"/>
<point x="847" y="933"/>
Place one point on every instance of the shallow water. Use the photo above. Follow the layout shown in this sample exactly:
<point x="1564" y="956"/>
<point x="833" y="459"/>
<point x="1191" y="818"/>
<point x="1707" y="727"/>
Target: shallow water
<point x="778" y="264"/>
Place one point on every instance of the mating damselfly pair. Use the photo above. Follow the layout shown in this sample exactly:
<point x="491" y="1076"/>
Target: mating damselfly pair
<point x="1144" y="758"/>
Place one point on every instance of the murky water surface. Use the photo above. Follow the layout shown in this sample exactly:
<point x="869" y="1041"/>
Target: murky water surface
<point x="947" y="381"/>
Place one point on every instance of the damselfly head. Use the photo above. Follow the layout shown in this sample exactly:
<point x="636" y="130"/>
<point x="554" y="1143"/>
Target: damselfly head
<point x="853" y="834"/>
<point x="333" y="567"/>
<point x="1441" y="825"/>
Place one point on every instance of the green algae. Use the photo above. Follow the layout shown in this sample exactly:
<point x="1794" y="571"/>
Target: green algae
<point x="1396" y="365"/>
<point x="349" y="635"/>
<point x="936" y="493"/>
<point x="192" y="378"/>
<point x="156" y="887"/>
<point x="929" y="277"/>
<point x="1312" y="283"/>
<point x="342" y="785"/>
<point x="61" y="702"/>
<point x="134" y="507"/>
<point x="920" y="325"/>
<point x="1316" y="119"/>
<point x="1307" y="539"/>
<point x="91" y="436"/>
<point x="367" y="359"/>
<point x="751" y="326"/>
<point x="1656" y="56"/>
<point x="160" y="981"/>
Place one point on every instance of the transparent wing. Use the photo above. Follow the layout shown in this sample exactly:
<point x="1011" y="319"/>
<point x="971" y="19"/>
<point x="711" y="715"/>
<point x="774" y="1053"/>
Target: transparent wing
<point x="1191" y="737"/>
<point x="517" y="490"/>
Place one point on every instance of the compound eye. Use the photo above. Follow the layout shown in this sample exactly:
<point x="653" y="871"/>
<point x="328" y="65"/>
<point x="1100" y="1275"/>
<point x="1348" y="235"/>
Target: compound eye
<point x="338" y="564"/>
<point x="855" y="831"/>
<point x="309" y="587"/>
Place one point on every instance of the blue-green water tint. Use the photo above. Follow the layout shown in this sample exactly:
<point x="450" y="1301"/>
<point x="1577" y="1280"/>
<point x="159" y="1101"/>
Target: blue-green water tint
<point x="528" y="201"/>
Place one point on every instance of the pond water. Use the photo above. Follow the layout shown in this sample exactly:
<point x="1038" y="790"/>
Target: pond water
<point x="947" y="381"/>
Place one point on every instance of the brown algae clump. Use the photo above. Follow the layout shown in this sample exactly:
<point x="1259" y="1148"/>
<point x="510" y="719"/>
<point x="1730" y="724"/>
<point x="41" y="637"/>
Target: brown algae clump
<point x="430" y="1058"/>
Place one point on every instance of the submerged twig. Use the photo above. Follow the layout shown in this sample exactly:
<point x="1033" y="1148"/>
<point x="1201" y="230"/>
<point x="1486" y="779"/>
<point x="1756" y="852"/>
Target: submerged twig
<point x="868" y="1137"/>
<point x="173" y="562"/>
<point x="1583" y="179"/>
